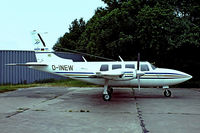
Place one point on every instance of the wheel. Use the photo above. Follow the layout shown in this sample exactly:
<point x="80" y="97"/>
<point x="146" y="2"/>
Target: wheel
<point x="167" y="93"/>
<point x="106" y="97"/>
<point x="110" y="90"/>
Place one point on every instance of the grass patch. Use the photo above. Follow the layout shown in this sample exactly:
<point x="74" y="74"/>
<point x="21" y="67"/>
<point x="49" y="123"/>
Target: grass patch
<point x="50" y="83"/>
<point x="5" y="88"/>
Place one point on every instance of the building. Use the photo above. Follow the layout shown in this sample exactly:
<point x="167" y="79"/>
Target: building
<point x="22" y="74"/>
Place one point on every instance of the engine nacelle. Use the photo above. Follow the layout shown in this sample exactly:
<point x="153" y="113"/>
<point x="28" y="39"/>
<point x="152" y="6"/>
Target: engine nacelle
<point x="118" y="74"/>
<point x="128" y="74"/>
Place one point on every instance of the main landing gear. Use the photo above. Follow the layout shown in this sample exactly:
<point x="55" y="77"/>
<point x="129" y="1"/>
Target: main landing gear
<point x="167" y="93"/>
<point x="107" y="93"/>
<point x="108" y="96"/>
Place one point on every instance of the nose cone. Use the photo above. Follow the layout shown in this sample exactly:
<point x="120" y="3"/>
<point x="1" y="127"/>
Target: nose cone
<point x="188" y="76"/>
<point x="173" y="77"/>
<point x="182" y="76"/>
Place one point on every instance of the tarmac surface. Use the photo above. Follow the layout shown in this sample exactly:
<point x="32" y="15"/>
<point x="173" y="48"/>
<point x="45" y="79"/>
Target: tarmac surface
<point x="82" y="110"/>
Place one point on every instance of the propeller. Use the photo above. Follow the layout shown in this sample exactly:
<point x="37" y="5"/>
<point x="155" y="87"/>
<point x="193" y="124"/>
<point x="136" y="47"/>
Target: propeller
<point x="138" y="61"/>
<point x="138" y="69"/>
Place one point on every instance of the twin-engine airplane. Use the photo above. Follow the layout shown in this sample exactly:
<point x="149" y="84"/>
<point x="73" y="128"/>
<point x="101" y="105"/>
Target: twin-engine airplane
<point x="109" y="74"/>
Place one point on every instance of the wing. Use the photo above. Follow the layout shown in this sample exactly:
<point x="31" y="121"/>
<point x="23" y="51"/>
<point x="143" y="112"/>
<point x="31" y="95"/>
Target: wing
<point x="110" y="76"/>
<point x="115" y="75"/>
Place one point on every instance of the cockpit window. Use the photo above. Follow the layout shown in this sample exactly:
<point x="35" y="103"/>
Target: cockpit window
<point x="117" y="66"/>
<point x="104" y="67"/>
<point x="153" y="67"/>
<point x="130" y="66"/>
<point x="144" y="68"/>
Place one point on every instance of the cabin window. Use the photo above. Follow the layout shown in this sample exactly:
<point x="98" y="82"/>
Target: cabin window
<point x="117" y="66"/>
<point x="130" y="66"/>
<point x="104" y="68"/>
<point x="144" y="68"/>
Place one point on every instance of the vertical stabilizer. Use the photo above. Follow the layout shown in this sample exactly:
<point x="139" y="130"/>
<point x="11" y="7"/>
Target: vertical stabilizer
<point x="39" y="44"/>
<point x="42" y="53"/>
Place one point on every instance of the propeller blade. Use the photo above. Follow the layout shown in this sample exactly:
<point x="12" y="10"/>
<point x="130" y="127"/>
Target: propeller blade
<point x="138" y="82"/>
<point x="138" y="69"/>
<point x="138" y="62"/>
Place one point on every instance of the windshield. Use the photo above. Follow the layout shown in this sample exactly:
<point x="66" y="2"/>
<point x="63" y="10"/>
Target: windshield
<point x="153" y="67"/>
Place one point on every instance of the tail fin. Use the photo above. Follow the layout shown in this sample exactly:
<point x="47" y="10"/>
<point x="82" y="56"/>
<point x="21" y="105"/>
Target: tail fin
<point x="39" y="44"/>
<point x="42" y="53"/>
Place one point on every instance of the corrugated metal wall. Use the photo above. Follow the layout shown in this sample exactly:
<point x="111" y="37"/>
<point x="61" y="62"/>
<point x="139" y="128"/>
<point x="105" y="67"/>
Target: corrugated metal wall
<point x="21" y="74"/>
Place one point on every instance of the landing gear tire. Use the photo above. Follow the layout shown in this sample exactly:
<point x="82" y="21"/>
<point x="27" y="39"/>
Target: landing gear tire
<point x="167" y="93"/>
<point x="110" y="90"/>
<point x="106" y="97"/>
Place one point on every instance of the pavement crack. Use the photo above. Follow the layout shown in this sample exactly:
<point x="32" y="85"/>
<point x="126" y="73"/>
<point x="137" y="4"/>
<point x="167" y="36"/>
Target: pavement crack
<point x="52" y="98"/>
<point x="172" y="113"/>
<point x="20" y="110"/>
<point x="140" y="117"/>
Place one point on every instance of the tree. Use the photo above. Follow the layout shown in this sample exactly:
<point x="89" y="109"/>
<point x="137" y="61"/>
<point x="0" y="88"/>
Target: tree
<point x="163" y="31"/>
<point x="71" y="38"/>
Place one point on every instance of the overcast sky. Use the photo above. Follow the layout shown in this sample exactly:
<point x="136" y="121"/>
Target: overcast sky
<point x="20" y="17"/>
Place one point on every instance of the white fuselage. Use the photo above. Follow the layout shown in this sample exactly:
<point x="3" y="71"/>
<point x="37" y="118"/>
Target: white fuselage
<point x="86" y="71"/>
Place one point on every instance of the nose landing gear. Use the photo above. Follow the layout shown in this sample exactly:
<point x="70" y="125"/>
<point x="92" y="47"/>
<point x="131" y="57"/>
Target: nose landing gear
<point x="167" y="92"/>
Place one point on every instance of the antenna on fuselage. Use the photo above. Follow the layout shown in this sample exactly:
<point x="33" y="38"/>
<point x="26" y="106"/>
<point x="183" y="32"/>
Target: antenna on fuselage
<point x="121" y="59"/>
<point x="84" y="59"/>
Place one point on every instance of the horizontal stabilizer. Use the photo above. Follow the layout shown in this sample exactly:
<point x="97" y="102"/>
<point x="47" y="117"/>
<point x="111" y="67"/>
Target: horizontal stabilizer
<point x="27" y="64"/>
